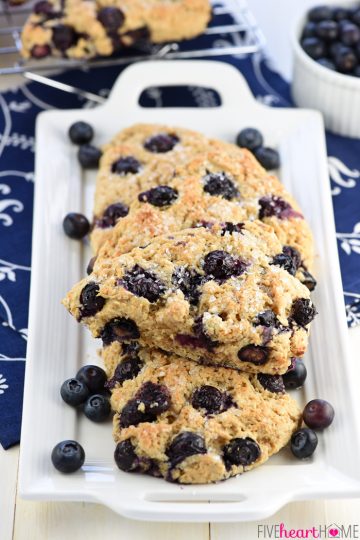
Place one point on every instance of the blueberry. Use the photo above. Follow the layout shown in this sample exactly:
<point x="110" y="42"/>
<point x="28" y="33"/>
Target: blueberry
<point x="196" y="342"/>
<point x="126" y="370"/>
<point x="295" y="375"/>
<point x="119" y="329"/>
<point x="209" y="398"/>
<point x="185" y="444"/>
<point x="112" y="214"/>
<point x="357" y="50"/>
<point x="255" y="354"/>
<point x="89" y="156"/>
<point x="221" y="265"/>
<point x="94" y="377"/>
<point x="231" y="228"/>
<point x="308" y="280"/>
<point x="345" y="60"/>
<point x="250" y="138"/>
<point x="63" y="37"/>
<point x="340" y="14"/>
<point x="355" y="16"/>
<point x="272" y="383"/>
<point x="40" y="51"/>
<point x="267" y="318"/>
<point x="74" y="392"/>
<point x="268" y="158"/>
<point x="320" y="13"/>
<point x="302" y="311"/>
<point x="309" y="30"/>
<point x="241" y="451"/>
<point x="294" y="254"/>
<point x="130" y="350"/>
<point x="334" y="48"/>
<point x="125" y="457"/>
<point x="219" y="184"/>
<point x="161" y="143"/>
<point x="289" y="259"/>
<point x="188" y="281"/>
<point x="76" y="226"/>
<point x="68" y="456"/>
<point x="304" y="443"/>
<point x="159" y="196"/>
<point x="91" y="302"/>
<point x="43" y="8"/>
<point x="314" y="47"/>
<point x="150" y="401"/>
<point x="286" y="262"/>
<point x="327" y="30"/>
<point x="126" y="165"/>
<point x="81" y="133"/>
<point x="325" y="62"/>
<point x="276" y="206"/>
<point x="111" y="18"/>
<point x="143" y="283"/>
<point x="97" y="408"/>
<point x="318" y="414"/>
<point x="350" y="34"/>
<point x="90" y="266"/>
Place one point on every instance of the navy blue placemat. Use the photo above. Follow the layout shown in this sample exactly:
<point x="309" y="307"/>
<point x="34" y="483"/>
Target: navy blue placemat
<point x="18" y="111"/>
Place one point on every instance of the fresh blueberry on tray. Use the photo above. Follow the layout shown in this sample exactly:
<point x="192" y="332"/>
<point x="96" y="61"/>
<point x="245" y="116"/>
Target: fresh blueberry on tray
<point x="68" y="456"/>
<point x="81" y="133"/>
<point x="74" y="392"/>
<point x="97" y="408"/>
<point x="268" y="157"/>
<point x="295" y="375"/>
<point x="318" y="414"/>
<point x="250" y="138"/>
<point x="89" y="156"/>
<point x="76" y="225"/>
<point x="304" y="443"/>
<point x="93" y="376"/>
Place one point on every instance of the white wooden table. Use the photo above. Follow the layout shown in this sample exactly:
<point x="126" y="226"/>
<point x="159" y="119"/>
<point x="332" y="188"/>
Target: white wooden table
<point x="23" y="520"/>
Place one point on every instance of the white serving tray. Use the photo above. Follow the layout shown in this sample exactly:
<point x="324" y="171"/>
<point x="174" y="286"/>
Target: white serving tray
<point x="58" y="346"/>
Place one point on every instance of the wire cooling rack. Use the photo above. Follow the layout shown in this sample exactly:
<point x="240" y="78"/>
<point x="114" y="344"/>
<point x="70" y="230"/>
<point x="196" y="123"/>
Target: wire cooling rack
<point x="233" y="30"/>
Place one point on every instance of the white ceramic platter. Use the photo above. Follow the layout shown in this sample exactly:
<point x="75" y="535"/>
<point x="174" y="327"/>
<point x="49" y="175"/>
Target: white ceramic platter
<point x="58" y="346"/>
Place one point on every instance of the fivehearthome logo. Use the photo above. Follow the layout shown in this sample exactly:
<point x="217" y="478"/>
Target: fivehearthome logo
<point x="332" y="531"/>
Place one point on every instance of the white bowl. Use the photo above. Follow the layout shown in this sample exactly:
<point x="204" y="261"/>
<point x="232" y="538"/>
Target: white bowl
<point x="335" y="95"/>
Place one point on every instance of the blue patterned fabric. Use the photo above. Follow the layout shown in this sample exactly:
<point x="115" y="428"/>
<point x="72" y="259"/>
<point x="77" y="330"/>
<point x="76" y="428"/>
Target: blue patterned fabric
<point x="18" y="111"/>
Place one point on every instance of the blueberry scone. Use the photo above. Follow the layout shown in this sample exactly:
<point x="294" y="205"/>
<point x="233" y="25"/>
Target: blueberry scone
<point x="90" y="28"/>
<point x="216" y="296"/>
<point x="193" y="424"/>
<point x="144" y="156"/>
<point x="225" y="184"/>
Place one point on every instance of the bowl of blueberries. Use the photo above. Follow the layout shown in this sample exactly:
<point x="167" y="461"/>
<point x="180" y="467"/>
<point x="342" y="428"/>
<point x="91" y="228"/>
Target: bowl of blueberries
<point x="326" y="45"/>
